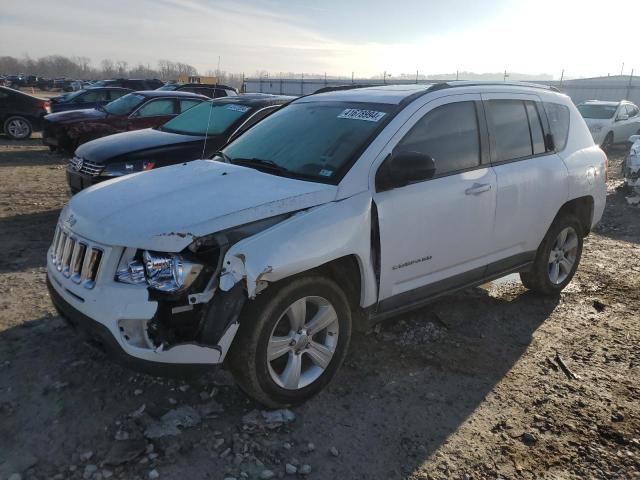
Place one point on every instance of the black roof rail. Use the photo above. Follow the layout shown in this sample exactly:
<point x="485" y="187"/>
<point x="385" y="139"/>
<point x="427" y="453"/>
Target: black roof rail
<point x="472" y="83"/>
<point x="349" y="86"/>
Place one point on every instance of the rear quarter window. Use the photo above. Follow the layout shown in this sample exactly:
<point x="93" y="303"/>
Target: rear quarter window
<point x="558" y="116"/>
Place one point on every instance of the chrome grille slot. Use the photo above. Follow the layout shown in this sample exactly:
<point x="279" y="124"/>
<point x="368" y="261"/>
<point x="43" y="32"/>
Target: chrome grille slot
<point x="77" y="259"/>
<point x="66" y="256"/>
<point x="86" y="167"/>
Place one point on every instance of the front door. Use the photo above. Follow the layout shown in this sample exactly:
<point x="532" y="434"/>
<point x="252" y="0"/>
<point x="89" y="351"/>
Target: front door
<point x="153" y="113"/>
<point x="435" y="234"/>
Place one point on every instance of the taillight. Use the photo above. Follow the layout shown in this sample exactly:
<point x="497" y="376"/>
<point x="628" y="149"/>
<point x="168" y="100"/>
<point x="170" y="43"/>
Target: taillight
<point x="148" y="165"/>
<point x="46" y="106"/>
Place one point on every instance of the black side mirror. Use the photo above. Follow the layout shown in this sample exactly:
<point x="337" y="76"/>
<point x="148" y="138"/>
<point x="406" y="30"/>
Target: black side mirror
<point x="403" y="168"/>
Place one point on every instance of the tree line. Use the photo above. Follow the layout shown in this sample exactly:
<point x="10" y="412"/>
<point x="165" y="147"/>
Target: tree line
<point x="82" y="68"/>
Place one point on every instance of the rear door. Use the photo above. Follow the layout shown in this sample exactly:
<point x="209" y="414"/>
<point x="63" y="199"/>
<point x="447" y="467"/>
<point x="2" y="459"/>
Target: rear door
<point x="532" y="181"/>
<point x="435" y="234"/>
<point x="631" y="126"/>
<point x="153" y="113"/>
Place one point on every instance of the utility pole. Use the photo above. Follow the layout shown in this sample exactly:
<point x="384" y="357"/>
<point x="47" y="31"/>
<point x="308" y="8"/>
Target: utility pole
<point x="351" y="78"/>
<point x="622" y="69"/>
<point x="384" y="77"/>
<point x="629" y="85"/>
<point x="457" y="74"/>
<point x="561" y="77"/>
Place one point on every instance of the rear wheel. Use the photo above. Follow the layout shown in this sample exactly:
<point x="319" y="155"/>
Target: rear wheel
<point x="557" y="257"/>
<point x="17" y="127"/>
<point x="291" y="341"/>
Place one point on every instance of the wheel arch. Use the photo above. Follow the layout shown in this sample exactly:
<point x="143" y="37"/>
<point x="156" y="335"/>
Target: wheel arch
<point x="582" y="208"/>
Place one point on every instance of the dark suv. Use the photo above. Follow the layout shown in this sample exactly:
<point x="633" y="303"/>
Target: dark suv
<point x="67" y="130"/>
<point x="21" y="114"/>
<point x="89" y="98"/>
<point x="211" y="91"/>
<point x="131" y="83"/>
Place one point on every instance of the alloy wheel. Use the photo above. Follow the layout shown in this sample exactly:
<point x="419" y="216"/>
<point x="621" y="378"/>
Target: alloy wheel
<point x="302" y="343"/>
<point x="18" y="128"/>
<point x="563" y="255"/>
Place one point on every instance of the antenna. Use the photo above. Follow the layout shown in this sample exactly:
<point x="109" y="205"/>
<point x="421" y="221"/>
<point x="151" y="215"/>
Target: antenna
<point x="206" y="132"/>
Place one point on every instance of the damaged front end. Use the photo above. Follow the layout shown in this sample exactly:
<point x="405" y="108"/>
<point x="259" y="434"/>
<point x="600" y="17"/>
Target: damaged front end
<point x="631" y="166"/>
<point x="194" y="316"/>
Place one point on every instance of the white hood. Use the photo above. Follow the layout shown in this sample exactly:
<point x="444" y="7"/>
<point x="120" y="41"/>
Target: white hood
<point x="166" y="209"/>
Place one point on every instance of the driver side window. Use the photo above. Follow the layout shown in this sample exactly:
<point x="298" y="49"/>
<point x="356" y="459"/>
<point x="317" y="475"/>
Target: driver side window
<point x="156" y="108"/>
<point x="449" y="134"/>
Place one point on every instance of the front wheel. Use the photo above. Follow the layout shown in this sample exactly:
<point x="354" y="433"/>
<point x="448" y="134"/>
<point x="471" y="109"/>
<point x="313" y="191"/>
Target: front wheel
<point x="557" y="257"/>
<point x="292" y="340"/>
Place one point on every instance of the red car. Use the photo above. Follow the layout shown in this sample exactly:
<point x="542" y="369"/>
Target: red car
<point x="134" y="111"/>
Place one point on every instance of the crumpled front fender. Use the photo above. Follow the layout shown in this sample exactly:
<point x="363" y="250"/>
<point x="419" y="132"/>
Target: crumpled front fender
<point x="307" y="240"/>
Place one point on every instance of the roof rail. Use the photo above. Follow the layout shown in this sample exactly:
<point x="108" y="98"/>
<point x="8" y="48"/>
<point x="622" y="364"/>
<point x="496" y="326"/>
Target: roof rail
<point x="350" y="86"/>
<point x="473" y="83"/>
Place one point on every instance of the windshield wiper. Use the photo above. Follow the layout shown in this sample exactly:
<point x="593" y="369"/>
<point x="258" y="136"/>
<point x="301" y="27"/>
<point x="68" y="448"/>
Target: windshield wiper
<point x="268" y="165"/>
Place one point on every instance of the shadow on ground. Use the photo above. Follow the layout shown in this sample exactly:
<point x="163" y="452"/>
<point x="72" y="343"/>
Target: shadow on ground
<point x="396" y="400"/>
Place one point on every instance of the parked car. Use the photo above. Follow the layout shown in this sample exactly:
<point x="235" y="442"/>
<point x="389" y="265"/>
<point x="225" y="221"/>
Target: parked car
<point x="631" y="165"/>
<point x="336" y="211"/>
<point x="610" y="122"/>
<point x="131" y="83"/>
<point x="211" y="91"/>
<point x="196" y="133"/>
<point x="44" y="83"/>
<point x="21" y="114"/>
<point x="90" y="98"/>
<point x="67" y="130"/>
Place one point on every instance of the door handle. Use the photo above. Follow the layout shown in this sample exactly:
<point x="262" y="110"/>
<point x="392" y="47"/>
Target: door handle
<point x="478" y="188"/>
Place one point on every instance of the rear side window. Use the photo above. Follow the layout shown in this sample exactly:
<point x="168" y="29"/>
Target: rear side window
<point x="632" y="110"/>
<point x="511" y="129"/>
<point x="558" y="116"/>
<point x="449" y="134"/>
<point x="117" y="93"/>
<point x="187" y="104"/>
<point x="94" y="96"/>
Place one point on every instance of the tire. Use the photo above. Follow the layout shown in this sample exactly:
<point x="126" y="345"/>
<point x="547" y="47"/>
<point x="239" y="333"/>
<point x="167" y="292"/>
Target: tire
<point x="17" y="127"/>
<point x="270" y="320"/>
<point x="557" y="257"/>
<point x="607" y="143"/>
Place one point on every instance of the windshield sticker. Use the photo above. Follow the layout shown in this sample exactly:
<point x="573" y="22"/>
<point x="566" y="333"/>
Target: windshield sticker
<point x="326" y="173"/>
<point x="237" y="108"/>
<point x="357" y="114"/>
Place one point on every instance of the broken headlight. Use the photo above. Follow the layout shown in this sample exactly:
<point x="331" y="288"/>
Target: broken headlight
<point x="166" y="272"/>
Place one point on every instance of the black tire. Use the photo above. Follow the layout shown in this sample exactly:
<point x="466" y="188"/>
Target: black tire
<point x="247" y="358"/>
<point x="539" y="278"/>
<point x="607" y="143"/>
<point x="11" y="127"/>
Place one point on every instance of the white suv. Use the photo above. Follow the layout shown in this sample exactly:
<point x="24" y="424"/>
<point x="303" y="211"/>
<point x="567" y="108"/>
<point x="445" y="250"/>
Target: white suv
<point x="610" y="122"/>
<point x="339" y="210"/>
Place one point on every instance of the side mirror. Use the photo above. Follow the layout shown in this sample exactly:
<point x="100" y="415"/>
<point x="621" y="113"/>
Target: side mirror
<point x="622" y="117"/>
<point x="403" y="168"/>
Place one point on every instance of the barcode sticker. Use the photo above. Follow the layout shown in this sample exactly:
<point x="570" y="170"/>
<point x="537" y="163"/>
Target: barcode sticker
<point x="237" y="108"/>
<point x="366" y="115"/>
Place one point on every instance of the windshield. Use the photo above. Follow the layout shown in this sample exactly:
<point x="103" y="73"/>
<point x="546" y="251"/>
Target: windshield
<point x="600" y="112"/>
<point x="317" y="140"/>
<point x="195" y="120"/>
<point x="124" y="105"/>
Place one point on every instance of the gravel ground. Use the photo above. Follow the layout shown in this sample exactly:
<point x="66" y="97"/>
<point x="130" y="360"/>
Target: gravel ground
<point x="469" y="387"/>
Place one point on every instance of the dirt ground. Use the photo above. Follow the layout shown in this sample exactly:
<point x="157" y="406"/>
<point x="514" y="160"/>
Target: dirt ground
<point x="466" y="388"/>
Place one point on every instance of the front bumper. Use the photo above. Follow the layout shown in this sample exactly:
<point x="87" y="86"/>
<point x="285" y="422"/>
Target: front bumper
<point x="114" y="316"/>
<point x="77" y="181"/>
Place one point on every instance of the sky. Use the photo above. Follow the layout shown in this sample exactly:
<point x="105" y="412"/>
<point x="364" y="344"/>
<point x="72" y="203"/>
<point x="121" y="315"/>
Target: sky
<point x="367" y="37"/>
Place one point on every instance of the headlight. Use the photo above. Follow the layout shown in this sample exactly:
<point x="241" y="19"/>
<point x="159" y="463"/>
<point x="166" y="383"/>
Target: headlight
<point x="169" y="272"/>
<point x="166" y="272"/>
<point x="124" y="168"/>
